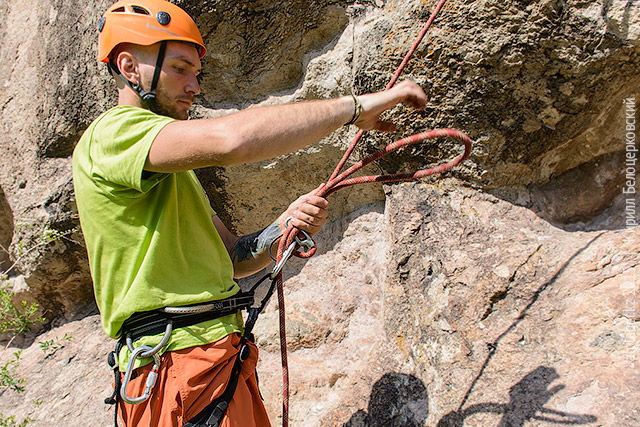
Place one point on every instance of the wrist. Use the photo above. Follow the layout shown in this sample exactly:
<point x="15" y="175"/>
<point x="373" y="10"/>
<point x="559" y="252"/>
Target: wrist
<point x="256" y="244"/>
<point x="357" y="110"/>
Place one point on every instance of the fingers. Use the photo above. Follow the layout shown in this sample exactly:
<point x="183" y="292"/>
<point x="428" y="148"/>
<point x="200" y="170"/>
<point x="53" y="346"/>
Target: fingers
<point x="309" y="213"/>
<point x="374" y="104"/>
<point x="317" y="190"/>
<point x="411" y="94"/>
<point x="308" y="224"/>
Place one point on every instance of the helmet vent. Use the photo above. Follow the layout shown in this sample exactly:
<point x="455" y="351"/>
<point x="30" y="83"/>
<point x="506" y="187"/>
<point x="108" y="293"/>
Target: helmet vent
<point x="141" y="10"/>
<point x="120" y="9"/>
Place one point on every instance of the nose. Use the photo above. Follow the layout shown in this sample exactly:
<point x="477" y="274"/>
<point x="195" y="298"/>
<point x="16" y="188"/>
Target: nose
<point x="193" y="87"/>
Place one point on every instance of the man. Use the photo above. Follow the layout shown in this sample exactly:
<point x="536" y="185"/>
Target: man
<point x="152" y="237"/>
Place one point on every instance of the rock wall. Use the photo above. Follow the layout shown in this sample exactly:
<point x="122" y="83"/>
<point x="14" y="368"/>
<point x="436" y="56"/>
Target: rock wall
<point x="507" y="323"/>
<point x="504" y="293"/>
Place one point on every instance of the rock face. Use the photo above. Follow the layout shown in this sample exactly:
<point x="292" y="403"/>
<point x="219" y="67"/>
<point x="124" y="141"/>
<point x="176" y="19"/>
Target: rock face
<point x="502" y="294"/>
<point x="506" y="324"/>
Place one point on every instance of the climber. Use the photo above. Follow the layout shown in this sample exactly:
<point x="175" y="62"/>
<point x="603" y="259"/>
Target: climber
<point x="155" y="244"/>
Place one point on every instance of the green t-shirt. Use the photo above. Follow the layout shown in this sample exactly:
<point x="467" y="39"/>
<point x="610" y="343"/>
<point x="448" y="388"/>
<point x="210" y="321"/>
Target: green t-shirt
<point x="150" y="239"/>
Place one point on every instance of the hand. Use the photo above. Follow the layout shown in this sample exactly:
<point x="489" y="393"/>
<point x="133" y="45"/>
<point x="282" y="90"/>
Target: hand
<point x="374" y="104"/>
<point x="309" y="213"/>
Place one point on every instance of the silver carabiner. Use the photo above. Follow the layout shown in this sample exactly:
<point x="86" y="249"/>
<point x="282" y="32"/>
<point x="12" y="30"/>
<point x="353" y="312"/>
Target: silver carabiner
<point x="158" y="347"/>
<point x="151" y="378"/>
<point x="307" y="243"/>
<point x="285" y="257"/>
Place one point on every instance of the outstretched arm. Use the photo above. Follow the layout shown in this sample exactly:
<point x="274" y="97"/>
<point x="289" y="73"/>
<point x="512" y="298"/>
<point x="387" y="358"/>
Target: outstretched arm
<point x="260" y="133"/>
<point x="250" y="253"/>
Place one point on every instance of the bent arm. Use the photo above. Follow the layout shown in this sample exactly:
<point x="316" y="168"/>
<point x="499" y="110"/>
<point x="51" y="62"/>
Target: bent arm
<point x="249" y="253"/>
<point x="264" y="132"/>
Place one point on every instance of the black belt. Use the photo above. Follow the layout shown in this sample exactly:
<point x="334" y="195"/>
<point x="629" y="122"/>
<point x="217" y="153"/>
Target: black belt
<point x="155" y="322"/>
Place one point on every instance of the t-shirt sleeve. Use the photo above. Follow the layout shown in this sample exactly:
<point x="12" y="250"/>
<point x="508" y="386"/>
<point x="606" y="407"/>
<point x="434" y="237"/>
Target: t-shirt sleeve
<point x="120" y="145"/>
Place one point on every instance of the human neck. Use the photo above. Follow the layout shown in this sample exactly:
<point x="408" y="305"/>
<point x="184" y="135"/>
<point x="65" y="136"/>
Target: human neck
<point x="126" y="96"/>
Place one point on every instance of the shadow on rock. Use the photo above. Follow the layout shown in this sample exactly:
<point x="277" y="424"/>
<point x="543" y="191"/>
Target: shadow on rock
<point x="527" y="397"/>
<point x="397" y="400"/>
<point x="587" y="197"/>
<point x="527" y="400"/>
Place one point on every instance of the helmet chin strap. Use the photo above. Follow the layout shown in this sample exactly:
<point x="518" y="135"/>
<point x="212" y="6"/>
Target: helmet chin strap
<point x="148" y="98"/>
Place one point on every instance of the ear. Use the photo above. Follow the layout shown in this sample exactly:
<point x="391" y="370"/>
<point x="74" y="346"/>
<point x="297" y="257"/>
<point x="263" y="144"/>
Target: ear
<point x="128" y="66"/>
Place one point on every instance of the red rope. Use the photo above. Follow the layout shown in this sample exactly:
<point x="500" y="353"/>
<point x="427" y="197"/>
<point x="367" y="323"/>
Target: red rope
<point x="339" y="180"/>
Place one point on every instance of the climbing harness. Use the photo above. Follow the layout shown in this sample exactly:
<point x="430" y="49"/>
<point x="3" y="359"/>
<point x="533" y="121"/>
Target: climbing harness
<point x="339" y="180"/>
<point x="164" y="321"/>
<point x="212" y="415"/>
<point x="169" y="318"/>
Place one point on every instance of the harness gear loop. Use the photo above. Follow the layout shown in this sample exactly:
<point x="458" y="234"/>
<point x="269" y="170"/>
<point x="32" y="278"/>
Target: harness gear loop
<point x="112" y="362"/>
<point x="158" y="347"/>
<point x="142" y="352"/>
<point x="151" y="379"/>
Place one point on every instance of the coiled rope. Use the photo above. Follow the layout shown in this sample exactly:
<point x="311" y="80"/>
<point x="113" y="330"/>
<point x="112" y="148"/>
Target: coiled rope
<point x="339" y="180"/>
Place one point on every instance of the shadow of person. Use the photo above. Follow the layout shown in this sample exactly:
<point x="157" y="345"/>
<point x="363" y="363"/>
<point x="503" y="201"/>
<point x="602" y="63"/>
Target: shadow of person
<point x="527" y="400"/>
<point x="529" y="395"/>
<point x="397" y="400"/>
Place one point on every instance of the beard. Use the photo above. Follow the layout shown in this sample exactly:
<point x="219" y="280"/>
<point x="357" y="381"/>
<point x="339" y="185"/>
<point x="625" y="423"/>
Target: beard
<point x="165" y="106"/>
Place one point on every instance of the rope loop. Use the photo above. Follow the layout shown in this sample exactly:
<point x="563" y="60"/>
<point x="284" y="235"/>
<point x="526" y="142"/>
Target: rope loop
<point x="339" y="180"/>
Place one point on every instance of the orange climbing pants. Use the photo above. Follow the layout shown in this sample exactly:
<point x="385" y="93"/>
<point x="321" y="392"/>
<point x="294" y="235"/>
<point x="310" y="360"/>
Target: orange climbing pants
<point x="190" y="379"/>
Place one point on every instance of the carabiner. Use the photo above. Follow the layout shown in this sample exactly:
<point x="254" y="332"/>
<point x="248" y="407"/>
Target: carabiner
<point x="307" y="243"/>
<point x="285" y="257"/>
<point x="158" y="347"/>
<point x="151" y="379"/>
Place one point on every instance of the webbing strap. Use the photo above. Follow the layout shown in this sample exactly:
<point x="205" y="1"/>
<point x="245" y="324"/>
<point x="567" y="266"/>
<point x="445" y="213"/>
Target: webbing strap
<point x="148" y="97"/>
<point x="112" y="360"/>
<point x="155" y="322"/>
<point x="212" y="415"/>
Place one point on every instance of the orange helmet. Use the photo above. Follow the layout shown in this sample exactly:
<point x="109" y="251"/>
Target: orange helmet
<point x="145" y="22"/>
